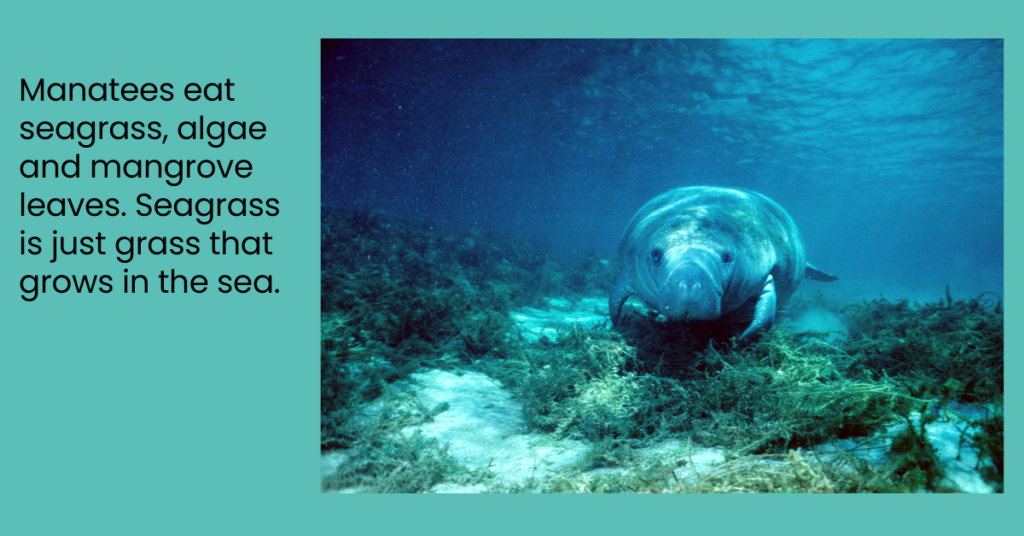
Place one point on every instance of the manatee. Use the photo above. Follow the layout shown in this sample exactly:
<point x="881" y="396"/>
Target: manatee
<point x="712" y="254"/>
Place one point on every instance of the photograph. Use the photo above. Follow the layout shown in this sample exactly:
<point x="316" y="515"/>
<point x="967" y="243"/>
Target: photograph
<point x="661" y="265"/>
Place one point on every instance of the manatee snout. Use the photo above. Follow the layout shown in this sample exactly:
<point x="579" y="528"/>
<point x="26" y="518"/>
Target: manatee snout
<point x="693" y="291"/>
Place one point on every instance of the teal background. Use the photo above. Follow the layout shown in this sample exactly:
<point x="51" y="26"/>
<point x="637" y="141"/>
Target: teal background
<point x="171" y="413"/>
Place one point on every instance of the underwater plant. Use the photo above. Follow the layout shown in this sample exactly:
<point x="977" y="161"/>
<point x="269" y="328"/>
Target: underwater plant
<point x="915" y="463"/>
<point x="989" y="442"/>
<point x="397" y="297"/>
<point x="925" y="347"/>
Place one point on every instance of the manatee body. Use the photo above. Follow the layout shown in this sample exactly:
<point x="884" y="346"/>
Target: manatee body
<point x="701" y="253"/>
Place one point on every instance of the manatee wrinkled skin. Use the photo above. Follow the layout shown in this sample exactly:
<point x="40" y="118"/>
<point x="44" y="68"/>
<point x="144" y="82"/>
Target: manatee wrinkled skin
<point x="700" y="253"/>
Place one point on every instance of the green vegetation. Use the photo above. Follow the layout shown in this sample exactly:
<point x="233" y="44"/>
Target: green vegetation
<point x="989" y="442"/>
<point x="398" y="297"/>
<point x="914" y="460"/>
<point x="383" y="459"/>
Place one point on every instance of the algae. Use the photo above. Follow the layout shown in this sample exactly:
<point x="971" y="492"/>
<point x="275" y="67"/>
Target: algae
<point x="383" y="459"/>
<point x="989" y="443"/>
<point x="926" y="347"/>
<point x="397" y="297"/>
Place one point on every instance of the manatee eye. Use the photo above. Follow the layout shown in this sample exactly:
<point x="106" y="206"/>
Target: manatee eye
<point x="726" y="257"/>
<point x="656" y="256"/>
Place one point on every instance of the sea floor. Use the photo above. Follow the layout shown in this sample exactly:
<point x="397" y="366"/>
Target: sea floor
<point x="484" y="429"/>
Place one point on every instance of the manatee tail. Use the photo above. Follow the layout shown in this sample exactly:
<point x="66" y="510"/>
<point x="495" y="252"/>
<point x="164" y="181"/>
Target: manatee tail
<point x="817" y="275"/>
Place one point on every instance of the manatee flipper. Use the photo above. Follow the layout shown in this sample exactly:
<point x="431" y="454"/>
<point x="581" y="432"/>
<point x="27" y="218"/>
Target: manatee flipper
<point x="815" y="274"/>
<point x="764" y="311"/>
<point x="620" y="292"/>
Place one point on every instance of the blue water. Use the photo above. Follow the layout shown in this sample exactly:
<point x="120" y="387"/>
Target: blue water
<point x="887" y="153"/>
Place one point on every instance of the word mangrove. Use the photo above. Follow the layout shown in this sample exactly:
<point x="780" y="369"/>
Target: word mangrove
<point x="175" y="170"/>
